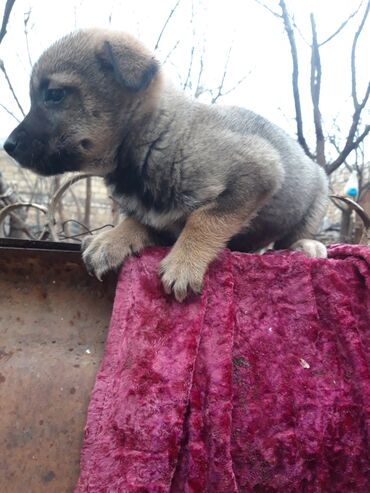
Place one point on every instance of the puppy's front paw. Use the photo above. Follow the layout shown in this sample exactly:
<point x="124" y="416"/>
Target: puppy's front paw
<point x="106" y="252"/>
<point x="312" y="248"/>
<point x="179" y="273"/>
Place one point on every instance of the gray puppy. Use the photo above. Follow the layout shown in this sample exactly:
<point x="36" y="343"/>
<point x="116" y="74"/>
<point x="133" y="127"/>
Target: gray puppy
<point x="201" y="177"/>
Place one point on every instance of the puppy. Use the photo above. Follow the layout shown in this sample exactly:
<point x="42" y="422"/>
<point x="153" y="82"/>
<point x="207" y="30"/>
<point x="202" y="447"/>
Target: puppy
<point x="201" y="177"/>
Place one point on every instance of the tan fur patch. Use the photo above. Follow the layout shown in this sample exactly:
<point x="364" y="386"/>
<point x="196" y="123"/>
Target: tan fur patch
<point x="203" y="236"/>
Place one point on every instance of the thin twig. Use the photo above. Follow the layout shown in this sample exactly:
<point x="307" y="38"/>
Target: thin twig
<point x="189" y="68"/>
<point x="240" y="81"/>
<point x="170" y="52"/>
<point x="365" y="188"/>
<point x="27" y="16"/>
<point x="77" y="203"/>
<point x="296" y="27"/>
<point x="10" y="112"/>
<point x="342" y="26"/>
<point x="8" y="8"/>
<point x="3" y="69"/>
<point x="88" y="231"/>
<point x="353" y="58"/>
<point x="165" y="24"/>
<point x="349" y="147"/>
<point x="332" y="141"/>
<point x="87" y="203"/>
<point x="221" y="85"/>
<point x="276" y="14"/>
<point x="199" y="89"/>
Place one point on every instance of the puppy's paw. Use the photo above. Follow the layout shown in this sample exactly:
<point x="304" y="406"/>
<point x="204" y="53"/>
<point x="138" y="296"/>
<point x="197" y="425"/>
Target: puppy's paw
<point x="312" y="248"/>
<point x="86" y="242"/>
<point x="107" y="251"/>
<point x="180" y="273"/>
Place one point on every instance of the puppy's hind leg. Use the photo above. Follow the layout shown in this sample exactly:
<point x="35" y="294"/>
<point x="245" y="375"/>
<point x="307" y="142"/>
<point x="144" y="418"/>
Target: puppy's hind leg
<point x="312" y="248"/>
<point x="300" y="239"/>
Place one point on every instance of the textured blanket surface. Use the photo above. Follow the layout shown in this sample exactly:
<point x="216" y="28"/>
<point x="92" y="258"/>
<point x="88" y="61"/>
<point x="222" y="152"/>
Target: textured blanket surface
<point x="260" y="385"/>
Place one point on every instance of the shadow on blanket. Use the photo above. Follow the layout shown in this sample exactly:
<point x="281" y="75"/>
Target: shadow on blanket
<point x="261" y="385"/>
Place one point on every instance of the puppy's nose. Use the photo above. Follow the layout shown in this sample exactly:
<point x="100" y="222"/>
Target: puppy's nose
<point x="10" y="144"/>
<point x="15" y="142"/>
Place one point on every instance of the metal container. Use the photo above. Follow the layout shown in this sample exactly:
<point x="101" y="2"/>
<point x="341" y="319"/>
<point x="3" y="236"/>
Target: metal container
<point x="53" y="325"/>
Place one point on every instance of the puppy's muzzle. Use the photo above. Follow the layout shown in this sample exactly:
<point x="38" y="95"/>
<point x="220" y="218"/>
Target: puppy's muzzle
<point x="23" y="148"/>
<point x="16" y="143"/>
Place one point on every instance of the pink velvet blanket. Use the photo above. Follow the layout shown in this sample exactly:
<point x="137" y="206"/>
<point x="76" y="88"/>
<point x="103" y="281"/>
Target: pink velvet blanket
<point x="260" y="385"/>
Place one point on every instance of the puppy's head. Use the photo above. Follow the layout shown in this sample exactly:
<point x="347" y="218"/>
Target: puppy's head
<point x="84" y="90"/>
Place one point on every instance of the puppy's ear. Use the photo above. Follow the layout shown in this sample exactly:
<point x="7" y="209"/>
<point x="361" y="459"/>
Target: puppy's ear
<point x="131" y="65"/>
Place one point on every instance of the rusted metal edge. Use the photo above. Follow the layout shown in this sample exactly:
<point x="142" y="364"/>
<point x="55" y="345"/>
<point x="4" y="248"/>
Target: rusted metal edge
<point x="14" y="243"/>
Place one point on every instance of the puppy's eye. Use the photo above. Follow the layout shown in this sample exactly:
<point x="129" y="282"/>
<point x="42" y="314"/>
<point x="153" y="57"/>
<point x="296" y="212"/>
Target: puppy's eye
<point x="54" y="96"/>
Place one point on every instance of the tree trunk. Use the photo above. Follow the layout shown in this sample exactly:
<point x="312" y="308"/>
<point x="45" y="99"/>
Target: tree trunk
<point x="346" y="226"/>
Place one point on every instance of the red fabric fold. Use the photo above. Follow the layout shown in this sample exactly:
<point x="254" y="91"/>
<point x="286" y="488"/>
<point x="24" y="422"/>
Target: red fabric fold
<point x="262" y="384"/>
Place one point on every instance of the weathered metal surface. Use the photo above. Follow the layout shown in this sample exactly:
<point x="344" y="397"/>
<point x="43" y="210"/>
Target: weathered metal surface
<point x="53" y="325"/>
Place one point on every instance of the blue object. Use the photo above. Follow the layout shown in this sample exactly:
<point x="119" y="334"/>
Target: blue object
<point x="352" y="192"/>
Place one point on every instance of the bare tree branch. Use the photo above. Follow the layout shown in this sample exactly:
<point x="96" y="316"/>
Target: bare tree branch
<point x="349" y="147"/>
<point x="87" y="214"/>
<point x="239" y="82"/>
<point x="352" y="142"/>
<point x="8" y="8"/>
<point x="315" y="94"/>
<point x="359" y="166"/>
<point x="2" y="68"/>
<point x="342" y="26"/>
<point x="27" y="16"/>
<point x="189" y="68"/>
<point x="296" y="27"/>
<point x="355" y="136"/>
<point x="10" y="112"/>
<point x="77" y="203"/>
<point x="276" y="14"/>
<point x="353" y="59"/>
<point x="192" y="51"/>
<point x="365" y="188"/>
<point x="199" y="89"/>
<point x="170" y="52"/>
<point x="221" y="85"/>
<point x="337" y="148"/>
<point x="297" y="101"/>
<point x="165" y="24"/>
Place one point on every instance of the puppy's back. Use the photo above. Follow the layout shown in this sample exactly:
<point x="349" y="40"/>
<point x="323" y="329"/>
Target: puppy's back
<point x="302" y="175"/>
<point x="302" y="198"/>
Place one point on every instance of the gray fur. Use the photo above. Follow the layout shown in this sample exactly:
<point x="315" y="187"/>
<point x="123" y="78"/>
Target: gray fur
<point x="203" y="151"/>
<point x="166" y="158"/>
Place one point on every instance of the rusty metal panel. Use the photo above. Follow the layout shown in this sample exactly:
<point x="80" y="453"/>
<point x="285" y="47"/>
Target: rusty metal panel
<point x="53" y="325"/>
